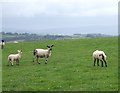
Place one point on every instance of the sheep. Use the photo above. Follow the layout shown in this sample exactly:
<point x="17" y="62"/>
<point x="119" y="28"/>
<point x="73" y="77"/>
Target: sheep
<point x="42" y="53"/>
<point x="99" y="55"/>
<point x="2" y="44"/>
<point x="15" y="57"/>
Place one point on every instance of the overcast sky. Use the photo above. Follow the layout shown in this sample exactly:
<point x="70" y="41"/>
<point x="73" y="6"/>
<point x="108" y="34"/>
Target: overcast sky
<point x="60" y="16"/>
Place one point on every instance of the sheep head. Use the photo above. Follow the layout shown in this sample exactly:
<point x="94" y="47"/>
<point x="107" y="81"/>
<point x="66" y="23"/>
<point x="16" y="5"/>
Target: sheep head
<point x="50" y="47"/>
<point x="20" y="51"/>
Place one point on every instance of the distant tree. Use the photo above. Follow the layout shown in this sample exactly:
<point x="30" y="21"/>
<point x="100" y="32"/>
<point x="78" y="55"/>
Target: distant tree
<point x="9" y="33"/>
<point x="90" y="36"/>
<point x="3" y="33"/>
<point x="15" y="33"/>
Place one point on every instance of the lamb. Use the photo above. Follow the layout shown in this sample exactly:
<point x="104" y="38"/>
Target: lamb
<point x="99" y="55"/>
<point x="42" y="53"/>
<point x="15" y="57"/>
<point x="2" y="44"/>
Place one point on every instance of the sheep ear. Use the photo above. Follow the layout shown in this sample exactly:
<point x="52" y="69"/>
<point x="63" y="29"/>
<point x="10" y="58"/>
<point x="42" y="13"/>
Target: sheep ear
<point x="18" y="50"/>
<point x="52" y="45"/>
<point x="47" y="46"/>
<point x="21" y="50"/>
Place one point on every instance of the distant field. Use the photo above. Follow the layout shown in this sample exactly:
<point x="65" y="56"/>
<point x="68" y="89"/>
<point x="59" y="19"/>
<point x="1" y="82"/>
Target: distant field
<point x="69" y="68"/>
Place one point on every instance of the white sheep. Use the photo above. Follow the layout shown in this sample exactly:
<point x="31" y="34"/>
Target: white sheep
<point x="41" y="53"/>
<point x="2" y="44"/>
<point x="99" y="55"/>
<point x="15" y="57"/>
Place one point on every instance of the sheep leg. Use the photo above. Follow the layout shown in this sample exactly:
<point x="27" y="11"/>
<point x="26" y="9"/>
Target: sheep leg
<point x="8" y="62"/>
<point x="1" y="46"/>
<point x="94" y="61"/>
<point x="38" y="60"/>
<point x="18" y="61"/>
<point x="105" y="63"/>
<point x="34" y="59"/>
<point x="101" y="63"/>
<point x="11" y="63"/>
<point x="46" y="60"/>
<point x="97" y="62"/>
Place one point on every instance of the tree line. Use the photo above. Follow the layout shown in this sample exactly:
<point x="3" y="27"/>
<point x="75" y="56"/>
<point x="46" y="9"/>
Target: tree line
<point x="9" y="36"/>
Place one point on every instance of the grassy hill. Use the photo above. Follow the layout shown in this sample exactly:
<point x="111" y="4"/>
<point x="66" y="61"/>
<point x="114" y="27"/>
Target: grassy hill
<point x="69" y="68"/>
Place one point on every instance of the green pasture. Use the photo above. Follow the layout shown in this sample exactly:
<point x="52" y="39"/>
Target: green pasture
<point x="70" y="66"/>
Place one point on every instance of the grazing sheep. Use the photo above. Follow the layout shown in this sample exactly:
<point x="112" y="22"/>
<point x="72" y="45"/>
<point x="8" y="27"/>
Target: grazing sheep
<point x="2" y="44"/>
<point x="99" y="55"/>
<point x="15" y="57"/>
<point x="42" y="53"/>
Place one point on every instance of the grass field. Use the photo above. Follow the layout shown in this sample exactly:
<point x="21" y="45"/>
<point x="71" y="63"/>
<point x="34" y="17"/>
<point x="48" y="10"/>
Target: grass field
<point x="69" y="68"/>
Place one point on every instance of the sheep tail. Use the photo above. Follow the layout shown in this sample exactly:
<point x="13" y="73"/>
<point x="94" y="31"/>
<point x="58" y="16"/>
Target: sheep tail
<point x="32" y="51"/>
<point x="8" y="58"/>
